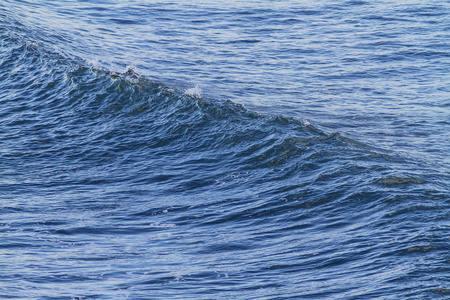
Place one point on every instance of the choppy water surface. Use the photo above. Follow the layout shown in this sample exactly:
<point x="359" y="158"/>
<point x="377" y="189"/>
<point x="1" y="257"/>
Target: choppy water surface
<point x="239" y="150"/>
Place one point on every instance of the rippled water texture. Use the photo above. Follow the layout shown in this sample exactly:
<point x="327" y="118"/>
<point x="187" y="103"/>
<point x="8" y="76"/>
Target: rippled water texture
<point x="239" y="150"/>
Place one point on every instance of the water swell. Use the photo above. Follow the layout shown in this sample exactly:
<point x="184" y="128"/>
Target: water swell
<point x="73" y="125"/>
<point x="83" y="117"/>
<point x="77" y="106"/>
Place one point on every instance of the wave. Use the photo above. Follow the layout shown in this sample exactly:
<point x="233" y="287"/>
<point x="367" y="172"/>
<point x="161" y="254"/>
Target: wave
<point x="118" y="111"/>
<point x="79" y="126"/>
<point x="113" y="105"/>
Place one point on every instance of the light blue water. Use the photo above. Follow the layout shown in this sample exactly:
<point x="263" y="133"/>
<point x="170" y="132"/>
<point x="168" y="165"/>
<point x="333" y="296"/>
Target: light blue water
<point x="238" y="150"/>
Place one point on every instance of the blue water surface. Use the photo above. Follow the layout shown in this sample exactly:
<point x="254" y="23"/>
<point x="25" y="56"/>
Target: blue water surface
<point x="224" y="150"/>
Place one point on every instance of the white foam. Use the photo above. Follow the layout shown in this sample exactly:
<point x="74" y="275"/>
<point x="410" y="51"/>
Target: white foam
<point x="195" y="91"/>
<point x="94" y="63"/>
<point x="131" y="69"/>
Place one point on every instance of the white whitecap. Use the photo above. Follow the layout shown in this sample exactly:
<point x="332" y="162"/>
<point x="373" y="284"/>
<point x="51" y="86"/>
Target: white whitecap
<point x="195" y="91"/>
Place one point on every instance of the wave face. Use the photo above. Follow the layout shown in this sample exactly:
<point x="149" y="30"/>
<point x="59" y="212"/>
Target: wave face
<point x="119" y="185"/>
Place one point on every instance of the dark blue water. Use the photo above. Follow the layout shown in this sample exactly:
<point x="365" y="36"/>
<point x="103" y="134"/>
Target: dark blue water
<point x="239" y="150"/>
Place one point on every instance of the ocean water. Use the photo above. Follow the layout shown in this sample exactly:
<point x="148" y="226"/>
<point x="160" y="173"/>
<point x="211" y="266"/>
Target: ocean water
<point x="224" y="150"/>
